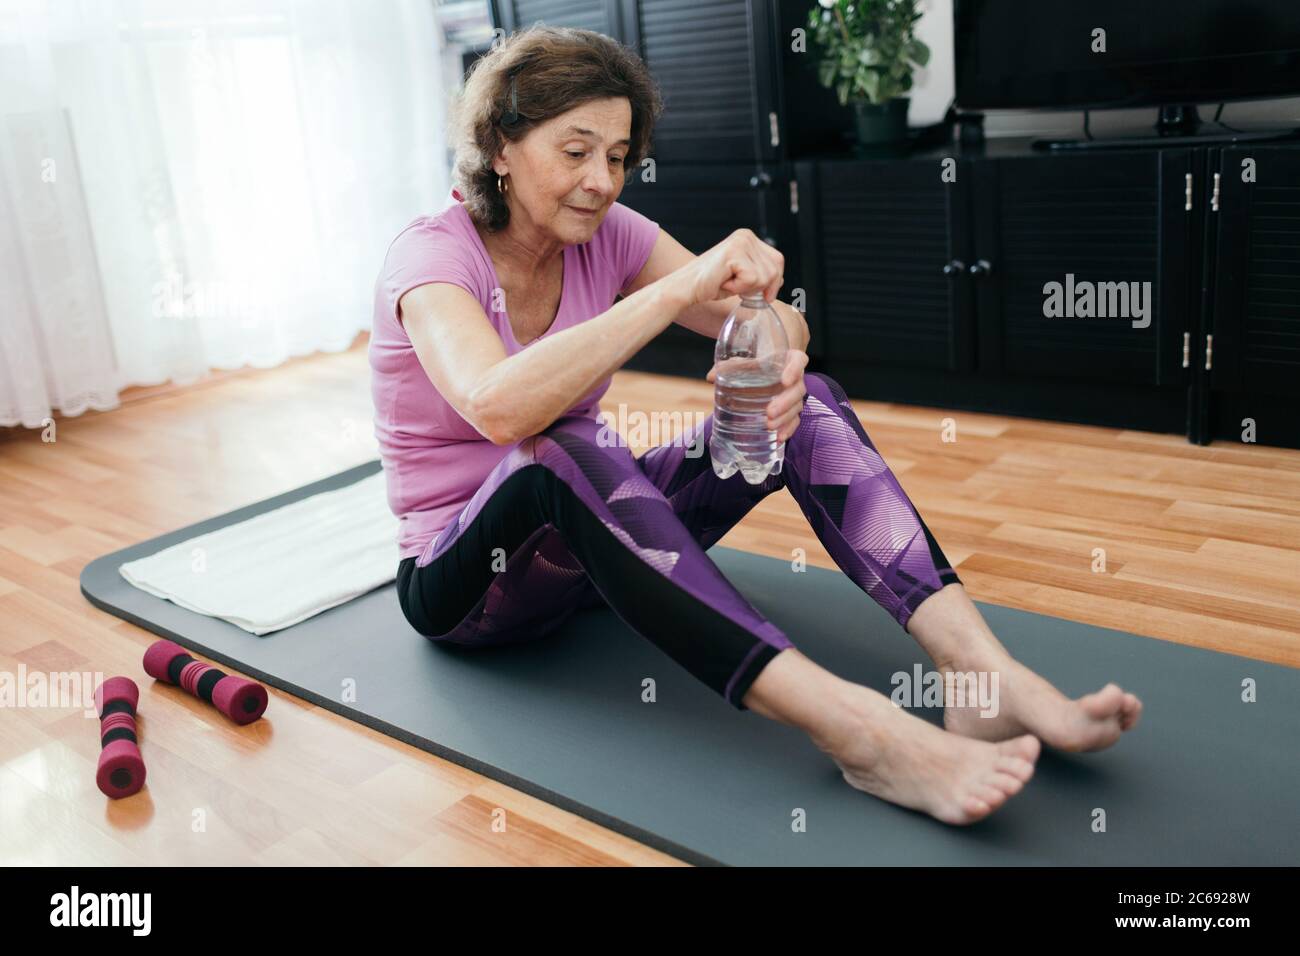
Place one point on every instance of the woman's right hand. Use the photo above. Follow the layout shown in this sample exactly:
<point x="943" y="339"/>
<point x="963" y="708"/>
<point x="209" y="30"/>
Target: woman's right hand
<point x="740" y="264"/>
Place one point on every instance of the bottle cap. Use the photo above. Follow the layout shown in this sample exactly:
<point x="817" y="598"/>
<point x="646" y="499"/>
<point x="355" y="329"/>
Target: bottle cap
<point x="753" y="299"/>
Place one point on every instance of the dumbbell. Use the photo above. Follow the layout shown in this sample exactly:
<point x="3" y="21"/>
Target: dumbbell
<point x="121" y="768"/>
<point x="241" y="700"/>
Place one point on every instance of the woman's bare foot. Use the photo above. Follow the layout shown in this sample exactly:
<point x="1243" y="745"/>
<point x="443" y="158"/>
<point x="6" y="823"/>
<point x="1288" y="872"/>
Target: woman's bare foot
<point x="897" y="756"/>
<point x="954" y="633"/>
<point x="1027" y="703"/>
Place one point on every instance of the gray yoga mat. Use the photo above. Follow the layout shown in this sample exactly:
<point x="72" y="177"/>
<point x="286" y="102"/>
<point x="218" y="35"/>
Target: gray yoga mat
<point x="1204" y="779"/>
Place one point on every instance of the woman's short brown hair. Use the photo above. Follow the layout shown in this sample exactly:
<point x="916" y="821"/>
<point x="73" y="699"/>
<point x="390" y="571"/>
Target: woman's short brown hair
<point x="554" y="69"/>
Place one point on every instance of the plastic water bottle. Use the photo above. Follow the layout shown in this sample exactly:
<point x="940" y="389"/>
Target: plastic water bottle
<point x="750" y="356"/>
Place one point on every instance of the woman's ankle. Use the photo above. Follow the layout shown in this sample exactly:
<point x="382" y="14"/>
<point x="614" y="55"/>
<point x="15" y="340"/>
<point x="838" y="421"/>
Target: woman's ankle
<point x="790" y="689"/>
<point x="796" y="691"/>
<point x="950" y="628"/>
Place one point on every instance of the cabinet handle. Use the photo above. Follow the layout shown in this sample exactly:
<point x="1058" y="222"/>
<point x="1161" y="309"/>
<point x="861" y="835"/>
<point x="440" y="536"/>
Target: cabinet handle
<point x="956" y="267"/>
<point x="1187" y="349"/>
<point x="981" y="267"/>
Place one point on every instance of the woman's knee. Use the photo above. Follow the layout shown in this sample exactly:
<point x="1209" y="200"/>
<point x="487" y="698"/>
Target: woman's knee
<point x="826" y="389"/>
<point x="579" y="428"/>
<point x="587" y="439"/>
<point x="581" y="453"/>
<point x="831" y="399"/>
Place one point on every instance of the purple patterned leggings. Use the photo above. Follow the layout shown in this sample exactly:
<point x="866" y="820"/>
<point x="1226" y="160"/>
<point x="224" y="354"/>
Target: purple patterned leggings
<point x="569" y="520"/>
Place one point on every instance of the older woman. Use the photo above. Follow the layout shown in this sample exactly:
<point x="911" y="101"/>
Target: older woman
<point x="495" y="334"/>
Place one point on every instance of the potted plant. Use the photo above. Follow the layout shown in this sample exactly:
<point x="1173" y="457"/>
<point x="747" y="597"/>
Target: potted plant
<point x="869" y="51"/>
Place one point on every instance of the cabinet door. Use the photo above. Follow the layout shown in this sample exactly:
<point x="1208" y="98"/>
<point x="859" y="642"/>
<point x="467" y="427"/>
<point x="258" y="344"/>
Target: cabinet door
<point x="699" y="206"/>
<point x="888" y="244"/>
<point x="1110" y="233"/>
<point x="1256" y="317"/>
<point x="703" y="57"/>
<point x="598" y="15"/>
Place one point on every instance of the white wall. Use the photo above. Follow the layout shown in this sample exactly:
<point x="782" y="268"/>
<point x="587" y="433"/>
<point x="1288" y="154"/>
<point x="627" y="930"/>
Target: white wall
<point x="932" y="87"/>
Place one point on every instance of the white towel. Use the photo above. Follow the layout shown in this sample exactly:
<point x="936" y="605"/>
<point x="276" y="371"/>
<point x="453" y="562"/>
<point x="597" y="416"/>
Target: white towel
<point x="283" y="566"/>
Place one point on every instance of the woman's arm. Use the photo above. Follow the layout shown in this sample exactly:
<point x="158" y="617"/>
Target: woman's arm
<point x="507" y="398"/>
<point x="706" y="318"/>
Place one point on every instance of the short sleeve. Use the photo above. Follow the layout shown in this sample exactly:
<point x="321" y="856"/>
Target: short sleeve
<point x="427" y="252"/>
<point x="630" y="239"/>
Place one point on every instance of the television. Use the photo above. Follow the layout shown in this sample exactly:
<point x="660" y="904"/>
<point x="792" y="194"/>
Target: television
<point x="1109" y="54"/>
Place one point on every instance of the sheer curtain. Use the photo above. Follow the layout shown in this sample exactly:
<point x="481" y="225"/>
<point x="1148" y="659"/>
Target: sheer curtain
<point x="194" y="184"/>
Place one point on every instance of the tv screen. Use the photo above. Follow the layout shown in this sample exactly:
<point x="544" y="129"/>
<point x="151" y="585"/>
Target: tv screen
<point x="1022" y="54"/>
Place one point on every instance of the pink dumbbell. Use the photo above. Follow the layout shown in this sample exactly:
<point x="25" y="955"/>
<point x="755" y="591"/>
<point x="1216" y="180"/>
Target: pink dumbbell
<point x="121" y="768"/>
<point x="241" y="700"/>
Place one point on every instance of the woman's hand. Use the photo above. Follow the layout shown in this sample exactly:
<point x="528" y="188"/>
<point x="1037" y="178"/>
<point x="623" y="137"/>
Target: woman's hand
<point x="784" y="408"/>
<point x="740" y="264"/>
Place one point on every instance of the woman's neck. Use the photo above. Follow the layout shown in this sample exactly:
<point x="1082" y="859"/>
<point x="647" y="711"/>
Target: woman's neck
<point x="520" y="253"/>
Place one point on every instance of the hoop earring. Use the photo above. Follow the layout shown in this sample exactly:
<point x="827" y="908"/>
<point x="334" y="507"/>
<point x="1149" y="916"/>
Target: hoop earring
<point x="502" y="187"/>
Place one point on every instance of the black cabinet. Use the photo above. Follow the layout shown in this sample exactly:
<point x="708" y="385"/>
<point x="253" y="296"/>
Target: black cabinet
<point x="1085" y="265"/>
<point x="1007" y="280"/>
<point x="1251" y="345"/>
<point x="700" y="205"/>
<point x="885" y="257"/>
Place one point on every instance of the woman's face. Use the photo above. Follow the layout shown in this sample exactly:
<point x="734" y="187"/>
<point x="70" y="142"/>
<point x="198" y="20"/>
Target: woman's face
<point x="566" y="172"/>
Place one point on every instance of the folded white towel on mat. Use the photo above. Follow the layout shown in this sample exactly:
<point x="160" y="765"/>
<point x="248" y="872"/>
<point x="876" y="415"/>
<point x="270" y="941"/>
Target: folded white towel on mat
<point x="283" y="566"/>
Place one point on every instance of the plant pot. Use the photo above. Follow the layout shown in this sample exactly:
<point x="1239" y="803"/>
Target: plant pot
<point x="880" y="123"/>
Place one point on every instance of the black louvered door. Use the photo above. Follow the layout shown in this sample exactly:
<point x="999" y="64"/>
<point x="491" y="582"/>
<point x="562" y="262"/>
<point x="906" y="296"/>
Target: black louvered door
<point x="1113" y="232"/>
<point x="703" y="56"/>
<point x="598" y="15"/>
<point x="889" y="246"/>
<point x="714" y="62"/>
<point x="1255" y="322"/>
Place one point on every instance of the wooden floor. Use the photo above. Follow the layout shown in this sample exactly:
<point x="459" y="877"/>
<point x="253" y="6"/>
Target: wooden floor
<point x="1202" y="547"/>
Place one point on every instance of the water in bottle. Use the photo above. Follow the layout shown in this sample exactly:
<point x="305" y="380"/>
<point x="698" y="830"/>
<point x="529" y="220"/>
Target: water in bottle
<point x="750" y="356"/>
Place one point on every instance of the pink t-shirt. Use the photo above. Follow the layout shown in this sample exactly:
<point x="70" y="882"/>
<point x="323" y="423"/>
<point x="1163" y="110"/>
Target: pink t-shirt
<point x="434" y="459"/>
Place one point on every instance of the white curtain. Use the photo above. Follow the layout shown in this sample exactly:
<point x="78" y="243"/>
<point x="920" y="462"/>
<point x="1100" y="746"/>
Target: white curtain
<point x="195" y="184"/>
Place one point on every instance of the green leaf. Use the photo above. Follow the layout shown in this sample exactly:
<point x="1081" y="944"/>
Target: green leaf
<point x="871" y="84"/>
<point x="920" y="53"/>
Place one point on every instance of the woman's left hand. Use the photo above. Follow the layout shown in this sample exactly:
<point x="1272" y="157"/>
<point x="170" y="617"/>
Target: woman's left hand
<point x="784" y="407"/>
